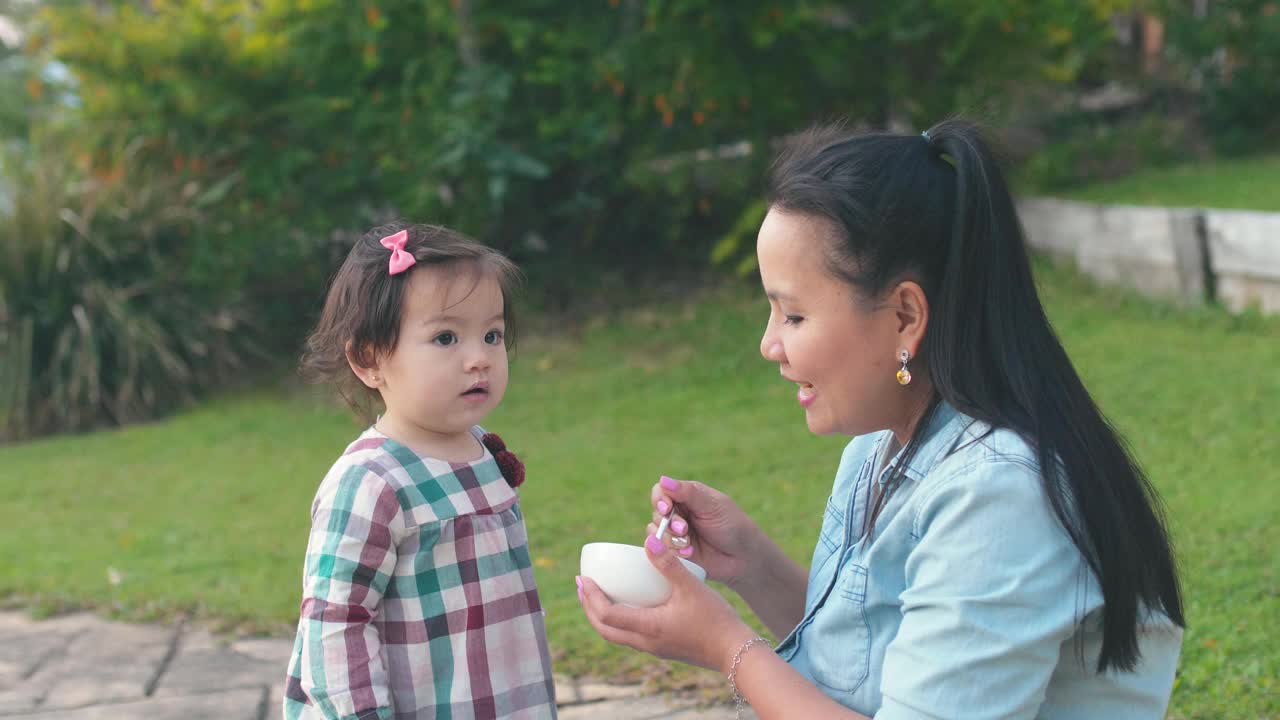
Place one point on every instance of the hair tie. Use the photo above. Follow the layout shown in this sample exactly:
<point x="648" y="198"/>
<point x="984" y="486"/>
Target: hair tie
<point x="510" y="465"/>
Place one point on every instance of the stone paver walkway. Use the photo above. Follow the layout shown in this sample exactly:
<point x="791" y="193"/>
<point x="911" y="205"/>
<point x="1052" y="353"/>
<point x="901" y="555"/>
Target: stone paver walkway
<point x="81" y="667"/>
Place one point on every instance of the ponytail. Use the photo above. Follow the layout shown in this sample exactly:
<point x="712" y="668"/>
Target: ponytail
<point x="995" y="357"/>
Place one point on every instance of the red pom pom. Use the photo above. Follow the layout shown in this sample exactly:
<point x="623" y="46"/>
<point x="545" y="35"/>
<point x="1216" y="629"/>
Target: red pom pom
<point x="493" y="442"/>
<point x="510" y="465"/>
<point x="512" y="468"/>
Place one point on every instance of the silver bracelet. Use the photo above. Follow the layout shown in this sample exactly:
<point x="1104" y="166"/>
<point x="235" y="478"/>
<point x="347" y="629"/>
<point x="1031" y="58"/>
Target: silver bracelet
<point x="738" y="701"/>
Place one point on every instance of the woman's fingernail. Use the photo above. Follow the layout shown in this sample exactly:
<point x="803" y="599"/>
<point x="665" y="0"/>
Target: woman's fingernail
<point x="686" y="551"/>
<point x="678" y="527"/>
<point x="668" y="483"/>
<point x="655" y="545"/>
<point x="663" y="507"/>
<point x="579" y="581"/>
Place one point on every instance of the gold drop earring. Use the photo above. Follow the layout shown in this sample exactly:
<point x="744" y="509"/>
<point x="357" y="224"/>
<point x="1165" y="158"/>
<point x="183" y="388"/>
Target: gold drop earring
<point x="904" y="375"/>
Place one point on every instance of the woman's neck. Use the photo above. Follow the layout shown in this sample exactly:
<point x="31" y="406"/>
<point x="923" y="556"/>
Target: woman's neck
<point x="913" y="408"/>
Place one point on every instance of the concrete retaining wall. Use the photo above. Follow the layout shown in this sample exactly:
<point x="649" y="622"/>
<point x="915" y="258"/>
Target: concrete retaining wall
<point x="1244" y="254"/>
<point x="1185" y="254"/>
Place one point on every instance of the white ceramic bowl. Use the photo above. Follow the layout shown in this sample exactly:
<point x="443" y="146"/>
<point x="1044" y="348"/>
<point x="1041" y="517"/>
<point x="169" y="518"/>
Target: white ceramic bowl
<point x="625" y="574"/>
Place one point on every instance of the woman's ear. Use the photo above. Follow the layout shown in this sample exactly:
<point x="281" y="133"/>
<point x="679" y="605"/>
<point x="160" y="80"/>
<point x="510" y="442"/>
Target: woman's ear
<point x="912" y="312"/>
<point x="365" y="366"/>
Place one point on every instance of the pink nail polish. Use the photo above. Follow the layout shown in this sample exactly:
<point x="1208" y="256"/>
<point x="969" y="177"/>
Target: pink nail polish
<point x="678" y="527"/>
<point x="663" y="507"/>
<point x="654" y="545"/>
<point x="668" y="483"/>
<point x="685" y="551"/>
<point x="578" y="580"/>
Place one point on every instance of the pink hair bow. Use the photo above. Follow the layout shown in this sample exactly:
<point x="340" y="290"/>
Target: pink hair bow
<point x="400" y="259"/>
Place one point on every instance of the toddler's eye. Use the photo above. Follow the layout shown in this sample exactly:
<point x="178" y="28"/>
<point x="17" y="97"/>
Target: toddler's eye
<point x="493" y="337"/>
<point x="445" y="339"/>
<point x="794" y="320"/>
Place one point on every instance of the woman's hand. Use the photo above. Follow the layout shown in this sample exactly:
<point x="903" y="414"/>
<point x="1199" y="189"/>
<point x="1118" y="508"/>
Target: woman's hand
<point x="695" y="625"/>
<point x="707" y="528"/>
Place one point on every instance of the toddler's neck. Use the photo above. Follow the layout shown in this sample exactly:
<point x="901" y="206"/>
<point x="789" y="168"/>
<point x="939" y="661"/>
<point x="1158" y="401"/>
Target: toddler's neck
<point x="455" y="447"/>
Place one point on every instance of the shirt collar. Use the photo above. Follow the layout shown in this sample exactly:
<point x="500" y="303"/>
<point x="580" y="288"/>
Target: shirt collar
<point x="935" y="443"/>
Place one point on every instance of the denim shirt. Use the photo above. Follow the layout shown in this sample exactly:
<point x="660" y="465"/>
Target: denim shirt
<point x="969" y="601"/>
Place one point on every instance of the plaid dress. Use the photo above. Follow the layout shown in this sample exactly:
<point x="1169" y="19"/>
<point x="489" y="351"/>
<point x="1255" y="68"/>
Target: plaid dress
<point x="418" y="594"/>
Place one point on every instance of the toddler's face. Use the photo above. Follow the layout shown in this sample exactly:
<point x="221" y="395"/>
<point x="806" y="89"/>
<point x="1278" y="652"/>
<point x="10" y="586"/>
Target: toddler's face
<point x="449" y="368"/>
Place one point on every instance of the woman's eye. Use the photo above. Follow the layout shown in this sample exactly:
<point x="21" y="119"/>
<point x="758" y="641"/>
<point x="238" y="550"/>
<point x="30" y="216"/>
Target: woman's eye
<point x="794" y="320"/>
<point x="493" y="337"/>
<point x="445" y="339"/>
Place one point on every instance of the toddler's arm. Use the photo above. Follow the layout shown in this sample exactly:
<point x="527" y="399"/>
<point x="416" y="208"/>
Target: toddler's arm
<point x="351" y="554"/>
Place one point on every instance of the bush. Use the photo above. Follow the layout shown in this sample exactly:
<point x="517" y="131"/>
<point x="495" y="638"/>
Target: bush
<point x="529" y="125"/>
<point x="1087" y="148"/>
<point x="1234" y="49"/>
<point x="576" y="136"/>
<point x="101" y="318"/>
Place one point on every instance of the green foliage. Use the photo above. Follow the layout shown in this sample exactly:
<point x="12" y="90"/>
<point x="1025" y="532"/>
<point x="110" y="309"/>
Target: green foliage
<point x="516" y="121"/>
<point x="102" y="317"/>
<point x="623" y="134"/>
<point x="737" y="247"/>
<point x="1089" y="149"/>
<point x="1235" y="51"/>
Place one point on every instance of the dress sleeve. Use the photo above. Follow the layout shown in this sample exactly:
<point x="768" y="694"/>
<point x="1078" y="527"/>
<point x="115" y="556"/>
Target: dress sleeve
<point x="351" y="554"/>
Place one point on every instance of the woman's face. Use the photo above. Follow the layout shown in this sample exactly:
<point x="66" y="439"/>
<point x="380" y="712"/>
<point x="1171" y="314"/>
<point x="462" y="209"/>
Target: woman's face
<point x="838" y="347"/>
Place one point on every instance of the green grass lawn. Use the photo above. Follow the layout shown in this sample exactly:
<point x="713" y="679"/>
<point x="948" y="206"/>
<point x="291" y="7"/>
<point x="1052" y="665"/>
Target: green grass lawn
<point x="207" y="512"/>
<point x="1246" y="184"/>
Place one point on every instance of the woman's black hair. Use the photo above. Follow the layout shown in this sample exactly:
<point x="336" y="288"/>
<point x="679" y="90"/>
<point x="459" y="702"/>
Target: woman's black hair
<point x="934" y="208"/>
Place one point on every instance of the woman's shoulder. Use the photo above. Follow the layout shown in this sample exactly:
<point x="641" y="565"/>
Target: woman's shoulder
<point x="990" y="477"/>
<point x="981" y="444"/>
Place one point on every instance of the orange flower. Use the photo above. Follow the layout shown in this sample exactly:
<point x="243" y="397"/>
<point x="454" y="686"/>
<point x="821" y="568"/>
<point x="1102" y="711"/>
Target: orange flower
<point x="699" y="117"/>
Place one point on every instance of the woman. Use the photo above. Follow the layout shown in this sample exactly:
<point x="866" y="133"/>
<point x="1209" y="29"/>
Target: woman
<point x="990" y="549"/>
